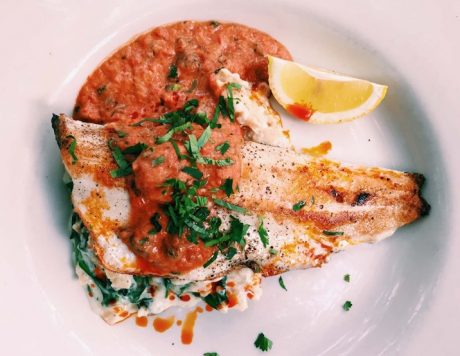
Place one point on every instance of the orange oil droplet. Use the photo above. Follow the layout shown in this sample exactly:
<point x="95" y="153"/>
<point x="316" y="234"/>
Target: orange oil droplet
<point x="300" y="111"/>
<point x="185" y="298"/>
<point x="188" y="326"/>
<point x="163" y="324"/>
<point x="319" y="150"/>
<point x="179" y="322"/>
<point x="232" y="300"/>
<point x="142" y="321"/>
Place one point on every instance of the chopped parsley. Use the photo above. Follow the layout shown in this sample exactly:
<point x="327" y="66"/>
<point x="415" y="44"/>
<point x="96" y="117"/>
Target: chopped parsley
<point x="273" y="251"/>
<point x="157" y="161"/>
<point x="72" y="146"/>
<point x="347" y="305"/>
<point x="262" y="342"/>
<point x="281" y="282"/>
<point x="220" y="295"/>
<point x="211" y="260"/>
<point x="230" y="106"/>
<point x="100" y="90"/>
<point x="215" y="23"/>
<point x="231" y="252"/>
<point x="121" y="134"/>
<point x="346" y="278"/>
<point x="192" y="86"/>
<point x="124" y="168"/>
<point x="172" y="71"/>
<point x="193" y="172"/>
<point x="215" y="162"/>
<point x="156" y="224"/>
<point x="135" y="149"/>
<point x="230" y="206"/>
<point x="263" y="234"/>
<point x="170" y="133"/>
<point x="333" y="233"/>
<point x="227" y="187"/>
<point x="179" y="155"/>
<point x="173" y="87"/>
<point x="299" y="205"/>
<point x="205" y="136"/>
<point x="210" y="354"/>
<point x="223" y="147"/>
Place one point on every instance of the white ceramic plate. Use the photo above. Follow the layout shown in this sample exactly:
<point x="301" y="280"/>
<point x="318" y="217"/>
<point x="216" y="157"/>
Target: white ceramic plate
<point x="405" y="290"/>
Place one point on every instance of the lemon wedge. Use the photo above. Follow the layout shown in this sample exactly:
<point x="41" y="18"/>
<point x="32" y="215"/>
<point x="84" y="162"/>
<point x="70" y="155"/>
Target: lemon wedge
<point x="321" y="96"/>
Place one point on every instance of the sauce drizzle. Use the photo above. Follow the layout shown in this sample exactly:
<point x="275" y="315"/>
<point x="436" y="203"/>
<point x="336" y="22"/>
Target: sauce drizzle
<point x="300" y="111"/>
<point x="188" y="326"/>
<point x="163" y="324"/>
<point x="141" y="321"/>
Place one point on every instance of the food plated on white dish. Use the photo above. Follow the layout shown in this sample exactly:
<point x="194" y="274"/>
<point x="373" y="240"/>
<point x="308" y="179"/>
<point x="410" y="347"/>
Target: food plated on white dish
<point x="185" y="186"/>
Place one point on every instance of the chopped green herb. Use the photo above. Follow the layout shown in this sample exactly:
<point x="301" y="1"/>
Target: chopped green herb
<point x="222" y="103"/>
<point x="213" y="122"/>
<point x="215" y="162"/>
<point x="227" y="187"/>
<point x="281" y="282"/>
<point x="192" y="86"/>
<point x="193" y="172"/>
<point x="273" y="251"/>
<point x="210" y="354"/>
<point x="179" y="155"/>
<point x="154" y="220"/>
<point x="263" y="234"/>
<point x="211" y="260"/>
<point x="347" y="305"/>
<point x="121" y="134"/>
<point x="173" y="87"/>
<point x="299" y="205"/>
<point x="168" y="286"/>
<point x="101" y="89"/>
<point x="223" y="147"/>
<point x="346" y="278"/>
<point x="170" y="133"/>
<point x="230" y="206"/>
<point x="219" y="297"/>
<point x="172" y="71"/>
<point x="157" y="161"/>
<point x="124" y="168"/>
<point x="72" y="146"/>
<point x="205" y="136"/>
<point x="231" y="252"/>
<point x="230" y="106"/>
<point x="263" y="343"/>
<point x="215" y="23"/>
<point x="333" y="233"/>
<point x="135" y="149"/>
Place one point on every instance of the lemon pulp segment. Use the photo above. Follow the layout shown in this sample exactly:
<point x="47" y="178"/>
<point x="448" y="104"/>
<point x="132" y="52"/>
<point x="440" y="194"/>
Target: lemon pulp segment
<point x="323" y="95"/>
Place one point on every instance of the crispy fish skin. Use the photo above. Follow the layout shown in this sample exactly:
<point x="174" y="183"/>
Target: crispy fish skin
<point x="344" y="205"/>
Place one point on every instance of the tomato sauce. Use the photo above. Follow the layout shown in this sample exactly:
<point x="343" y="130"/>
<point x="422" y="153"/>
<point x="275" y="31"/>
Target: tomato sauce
<point x="157" y="73"/>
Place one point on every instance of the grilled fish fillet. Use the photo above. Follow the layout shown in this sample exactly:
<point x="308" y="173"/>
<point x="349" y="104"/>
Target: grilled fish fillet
<point x="344" y="205"/>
